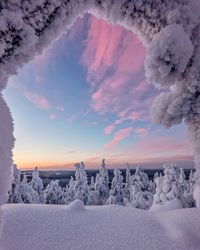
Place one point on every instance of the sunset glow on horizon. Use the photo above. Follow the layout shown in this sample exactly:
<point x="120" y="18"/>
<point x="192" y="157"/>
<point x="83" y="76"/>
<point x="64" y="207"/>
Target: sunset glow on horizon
<point x="86" y="98"/>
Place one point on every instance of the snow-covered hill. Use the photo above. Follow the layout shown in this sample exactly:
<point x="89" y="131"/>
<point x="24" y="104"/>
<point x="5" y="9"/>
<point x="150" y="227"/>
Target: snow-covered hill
<point x="54" y="227"/>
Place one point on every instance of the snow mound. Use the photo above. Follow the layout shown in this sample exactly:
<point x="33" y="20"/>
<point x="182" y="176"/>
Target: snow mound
<point x="183" y="226"/>
<point x="167" y="206"/>
<point x="41" y="227"/>
<point x="76" y="205"/>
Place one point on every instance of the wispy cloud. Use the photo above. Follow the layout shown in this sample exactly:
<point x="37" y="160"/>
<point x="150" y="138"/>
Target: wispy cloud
<point x="133" y="116"/>
<point x="141" y="131"/>
<point x="38" y="100"/>
<point x="109" y="129"/>
<point x="114" y="60"/>
<point x="118" y="137"/>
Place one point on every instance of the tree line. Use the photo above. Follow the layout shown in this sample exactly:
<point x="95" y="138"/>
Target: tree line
<point x="135" y="190"/>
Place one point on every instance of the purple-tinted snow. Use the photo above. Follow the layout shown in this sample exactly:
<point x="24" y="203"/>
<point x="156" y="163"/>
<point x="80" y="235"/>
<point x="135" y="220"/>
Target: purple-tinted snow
<point x="41" y="227"/>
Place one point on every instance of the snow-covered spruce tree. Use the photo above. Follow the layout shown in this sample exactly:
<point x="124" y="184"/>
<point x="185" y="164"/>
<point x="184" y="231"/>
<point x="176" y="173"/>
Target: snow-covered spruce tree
<point x="28" y="194"/>
<point x="112" y="199"/>
<point x="127" y="184"/>
<point x="54" y="194"/>
<point x="157" y="198"/>
<point x="102" y="184"/>
<point x="117" y="189"/>
<point x="141" y="178"/>
<point x="191" y="181"/>
<point x="152" y="183"/>
<point x="171" y="185"/>
<point x="92" y="183"/>
<point x="185" y="194"/>
<point x="140" y="195"/>
<point x="14" y="192"/>
<point x="37" y="185"/>
<point x="81" y="183"/>
<point x="93" y="197"/>
<point x="70" y="191"/>
<point x="168" y="189"/>
<point x="152" y="187"/>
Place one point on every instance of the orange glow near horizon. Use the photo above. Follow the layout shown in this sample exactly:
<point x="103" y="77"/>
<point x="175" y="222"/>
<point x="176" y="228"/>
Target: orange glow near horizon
<point x="94" y="164"/>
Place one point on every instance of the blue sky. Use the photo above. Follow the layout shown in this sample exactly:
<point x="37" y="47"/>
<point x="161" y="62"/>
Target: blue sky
<point x="86" y="98"/>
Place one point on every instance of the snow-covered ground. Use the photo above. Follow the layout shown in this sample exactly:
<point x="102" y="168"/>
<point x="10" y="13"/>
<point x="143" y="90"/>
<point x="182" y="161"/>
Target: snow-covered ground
<point x="54" y="227"/>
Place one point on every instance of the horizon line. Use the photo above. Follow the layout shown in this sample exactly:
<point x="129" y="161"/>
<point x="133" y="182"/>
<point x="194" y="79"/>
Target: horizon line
<point x="186" y="163"/>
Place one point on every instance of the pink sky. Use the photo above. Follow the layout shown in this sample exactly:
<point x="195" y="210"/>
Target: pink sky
<point x="118" y="95"/>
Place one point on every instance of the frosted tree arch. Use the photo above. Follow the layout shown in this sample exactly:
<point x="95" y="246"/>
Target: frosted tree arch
<point x="170" y="29"/>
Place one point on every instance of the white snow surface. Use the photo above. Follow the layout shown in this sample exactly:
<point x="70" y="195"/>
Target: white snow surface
<point x="167" y="206"/>
<point x="55" y="227"/>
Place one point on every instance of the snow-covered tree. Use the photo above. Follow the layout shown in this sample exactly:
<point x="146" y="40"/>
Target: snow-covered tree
<point x="102" y="184"/>
<point x="157" y="198"/>
<point x="141" y="179"/>
<point x="140" y="199"/>
<point x="117" y="189"/>
<point x="37" y="185"/>
<point x="14" y="193"/>
<point x="81" y="183"/>
<point x="155" y="176"/>
<point x="192" y="180"/>
<point x="70" y="191"/>
<point x="183" y="182"/>
<point x="92" y="183"/>
<point x="93" y="198"/>
<point x="185" y="195"/>
<point x="171" y="185"/>
<point x="127" y="184"/>
<point x="140" y="195"/>
<point x="168" y="188"/>
<point x="54" y="194"/>
<point x="112" y="199"/>
<point x="28" y="194"/>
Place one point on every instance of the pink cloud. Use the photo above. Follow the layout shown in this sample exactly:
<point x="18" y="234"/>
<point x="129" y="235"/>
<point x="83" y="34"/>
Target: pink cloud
<point x="35" y="98"/>
<point x="109" y="129"/>
<point x="107" y="46"/>
<point x="38" y="100"/>
<point x="133" y="116"/>
<point x="118" y="137"/>
<point x="141" y="131"/>
<point x="114" y="60"/>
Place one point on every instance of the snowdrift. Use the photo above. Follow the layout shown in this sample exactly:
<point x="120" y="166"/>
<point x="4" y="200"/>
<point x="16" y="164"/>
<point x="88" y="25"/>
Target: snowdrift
<point x="55" y="227"/>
